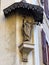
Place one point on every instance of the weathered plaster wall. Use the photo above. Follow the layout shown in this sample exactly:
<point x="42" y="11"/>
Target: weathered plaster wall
<point x="6" y="3"/>
<point x="7" y="41"/>
<point x="40" y="46"/>
<point x="11" y="38"/>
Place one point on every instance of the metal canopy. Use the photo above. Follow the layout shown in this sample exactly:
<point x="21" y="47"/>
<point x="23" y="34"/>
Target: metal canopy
<point x="26" y="9"/>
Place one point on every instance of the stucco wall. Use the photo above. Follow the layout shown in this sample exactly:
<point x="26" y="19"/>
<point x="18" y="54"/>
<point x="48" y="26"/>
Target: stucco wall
<point x="7" y="41"/>
<point x="11" y="38"/>
<point x="6" y="3"/>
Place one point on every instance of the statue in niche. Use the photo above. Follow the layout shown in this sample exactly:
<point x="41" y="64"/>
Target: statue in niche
<point x="26" y="29"/>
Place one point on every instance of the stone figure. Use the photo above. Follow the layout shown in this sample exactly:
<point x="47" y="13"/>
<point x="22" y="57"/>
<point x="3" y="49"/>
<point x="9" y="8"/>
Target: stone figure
<point x="27" y="30"/>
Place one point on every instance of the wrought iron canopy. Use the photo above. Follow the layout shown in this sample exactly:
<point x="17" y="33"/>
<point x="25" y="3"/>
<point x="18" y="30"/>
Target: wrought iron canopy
<point x="25" y="9"/>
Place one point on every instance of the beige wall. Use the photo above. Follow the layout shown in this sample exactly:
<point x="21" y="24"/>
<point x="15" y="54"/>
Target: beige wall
<point x="7" y="41"/>
<point x="6" y="3"/>
<point x="40" y="46"/>
<point x="11" y="38"/>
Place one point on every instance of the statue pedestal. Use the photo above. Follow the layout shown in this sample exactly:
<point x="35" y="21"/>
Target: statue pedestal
<point x="25" y="48"/>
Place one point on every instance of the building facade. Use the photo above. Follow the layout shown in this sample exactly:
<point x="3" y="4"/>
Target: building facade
<point x="21" y="26"/>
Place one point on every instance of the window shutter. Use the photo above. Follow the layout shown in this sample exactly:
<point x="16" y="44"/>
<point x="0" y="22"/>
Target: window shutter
<point x="47" y="53"/>
<point x="46" y="8"/>
<point x="44" y="47"/>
